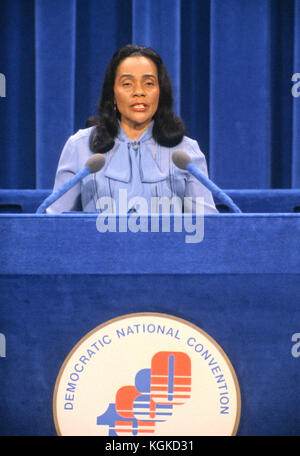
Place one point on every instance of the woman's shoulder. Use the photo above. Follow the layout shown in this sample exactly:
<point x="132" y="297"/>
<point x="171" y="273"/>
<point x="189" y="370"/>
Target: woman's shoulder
<point x="190" y="146"/>
<point x="82" y="134"/>
<point x="77" y="146"/>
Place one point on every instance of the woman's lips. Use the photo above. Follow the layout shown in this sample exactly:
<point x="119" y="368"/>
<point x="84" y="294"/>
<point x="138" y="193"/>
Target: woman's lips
<point x="139" y="107"/>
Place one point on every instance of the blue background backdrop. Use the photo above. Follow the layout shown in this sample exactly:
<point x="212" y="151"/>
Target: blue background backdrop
<point x="231" y="64"/>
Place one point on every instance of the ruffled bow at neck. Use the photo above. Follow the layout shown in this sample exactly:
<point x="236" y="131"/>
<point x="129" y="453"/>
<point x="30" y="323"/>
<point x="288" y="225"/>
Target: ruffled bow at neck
<point x="131" y="160"/>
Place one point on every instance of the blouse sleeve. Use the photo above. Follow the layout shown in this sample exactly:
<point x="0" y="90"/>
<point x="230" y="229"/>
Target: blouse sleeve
<point x="67" y="168"/>
<point x="194" y="188"/>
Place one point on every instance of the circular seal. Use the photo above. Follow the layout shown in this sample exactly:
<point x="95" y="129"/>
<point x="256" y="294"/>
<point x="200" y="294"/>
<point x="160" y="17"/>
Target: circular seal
<point x="147" y="374"/>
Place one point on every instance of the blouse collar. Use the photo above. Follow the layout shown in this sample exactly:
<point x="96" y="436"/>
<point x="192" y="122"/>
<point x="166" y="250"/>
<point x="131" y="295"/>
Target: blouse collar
<point x="145" y="136"/>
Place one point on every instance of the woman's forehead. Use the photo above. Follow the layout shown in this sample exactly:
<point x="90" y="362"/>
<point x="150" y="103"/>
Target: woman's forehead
<point x="136" y="66"/>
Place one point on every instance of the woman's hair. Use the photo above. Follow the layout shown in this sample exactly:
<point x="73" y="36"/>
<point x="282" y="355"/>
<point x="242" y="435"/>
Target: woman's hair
<point x="91" y="121"/>
<point x="168" y="129"/>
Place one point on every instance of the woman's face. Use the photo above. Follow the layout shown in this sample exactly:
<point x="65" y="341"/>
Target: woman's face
<point x="136" y="92"/>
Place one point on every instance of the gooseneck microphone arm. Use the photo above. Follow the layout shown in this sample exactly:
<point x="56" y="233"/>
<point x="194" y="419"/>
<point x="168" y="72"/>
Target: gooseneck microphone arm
<point x="183" y="161"/>
<point x="93" y="165"/>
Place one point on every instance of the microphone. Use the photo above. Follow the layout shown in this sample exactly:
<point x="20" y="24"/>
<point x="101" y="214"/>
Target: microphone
<point x="93" y="165"/>
<point x="183" y="161"/>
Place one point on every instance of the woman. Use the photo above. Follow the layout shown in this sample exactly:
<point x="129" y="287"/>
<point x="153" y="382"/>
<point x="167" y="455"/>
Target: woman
<point x="137" y="131"/>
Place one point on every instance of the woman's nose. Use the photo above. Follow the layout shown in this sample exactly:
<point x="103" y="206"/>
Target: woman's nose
<point x="139" y="89"/>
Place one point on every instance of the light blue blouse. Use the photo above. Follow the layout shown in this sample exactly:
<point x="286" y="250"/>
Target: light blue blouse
<point x="143" y="168"/>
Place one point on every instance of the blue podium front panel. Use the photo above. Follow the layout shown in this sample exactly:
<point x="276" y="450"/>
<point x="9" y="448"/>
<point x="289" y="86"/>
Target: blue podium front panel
<point x="60" y="278"/>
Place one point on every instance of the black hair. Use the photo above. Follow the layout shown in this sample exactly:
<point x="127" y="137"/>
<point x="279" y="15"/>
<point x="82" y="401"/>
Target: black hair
<point x="168" y="129"/>
<point x="91" y="121"/>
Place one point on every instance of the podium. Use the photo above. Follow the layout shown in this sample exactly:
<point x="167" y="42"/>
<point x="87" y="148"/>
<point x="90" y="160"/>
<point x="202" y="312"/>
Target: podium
<point x="60" y="278"/>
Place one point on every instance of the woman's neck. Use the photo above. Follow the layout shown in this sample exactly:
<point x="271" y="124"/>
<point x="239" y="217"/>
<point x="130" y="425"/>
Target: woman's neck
<point x="134" y="131"/>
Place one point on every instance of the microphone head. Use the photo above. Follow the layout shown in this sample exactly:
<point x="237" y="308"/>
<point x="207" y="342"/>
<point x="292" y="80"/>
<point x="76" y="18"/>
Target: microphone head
<point x="95" y="163"/>
<point x="181" y="159"/>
